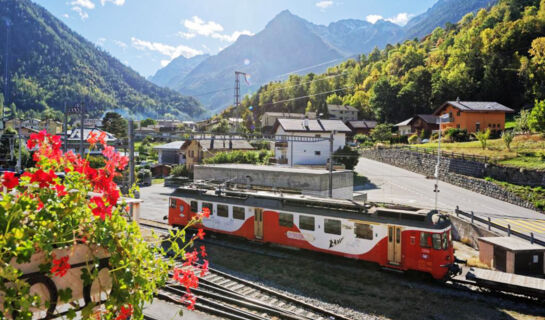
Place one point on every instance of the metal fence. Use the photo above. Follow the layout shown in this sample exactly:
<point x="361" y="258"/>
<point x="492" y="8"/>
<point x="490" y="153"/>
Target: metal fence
<point x="471" y="215"/>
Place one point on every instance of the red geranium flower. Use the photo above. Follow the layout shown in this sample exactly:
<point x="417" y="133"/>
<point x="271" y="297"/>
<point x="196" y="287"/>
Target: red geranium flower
<point x="125" y="312"/>
<point x="203" y="252"/>
<point x="43" y="178"/>
<point x="99" y="208"/>
<point x="9" y="180"/>
<point x="60" y="266"/>
<point x="60" y="190"/>
<point x="204" y="268"/>
<point x="200" y="234"/>
<point x="93" y="138"/>
<point x="206" y="212"/>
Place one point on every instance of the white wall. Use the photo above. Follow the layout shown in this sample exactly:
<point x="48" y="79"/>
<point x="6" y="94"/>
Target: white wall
<point x="304" y="153"/>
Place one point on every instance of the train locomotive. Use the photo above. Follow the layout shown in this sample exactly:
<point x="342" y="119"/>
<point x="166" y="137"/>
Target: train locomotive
<point x="396" y="239"/>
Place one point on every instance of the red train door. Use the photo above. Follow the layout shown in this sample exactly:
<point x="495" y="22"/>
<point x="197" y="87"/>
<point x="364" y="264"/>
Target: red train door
<point x="394" y="245"/>
<point x="258" y="223"/>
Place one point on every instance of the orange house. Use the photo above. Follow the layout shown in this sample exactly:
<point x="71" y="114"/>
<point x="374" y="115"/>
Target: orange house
<point x="473" y="115"/>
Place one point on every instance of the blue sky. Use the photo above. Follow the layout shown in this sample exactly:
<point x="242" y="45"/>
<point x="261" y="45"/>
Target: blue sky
<point x="147" y="34"/>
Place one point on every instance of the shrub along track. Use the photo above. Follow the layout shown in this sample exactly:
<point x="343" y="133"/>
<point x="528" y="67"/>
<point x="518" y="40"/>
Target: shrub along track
<point x="359" y="290"/>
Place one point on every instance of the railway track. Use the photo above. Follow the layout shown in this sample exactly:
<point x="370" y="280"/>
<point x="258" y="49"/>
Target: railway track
<point x="222" y="294"/>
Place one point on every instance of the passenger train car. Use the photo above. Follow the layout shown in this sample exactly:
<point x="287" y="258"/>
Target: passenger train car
<point x="398" y="239"/>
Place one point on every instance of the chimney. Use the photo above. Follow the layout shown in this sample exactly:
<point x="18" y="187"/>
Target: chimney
<point x="458" y="99"/>
<point x="305" y="122"/>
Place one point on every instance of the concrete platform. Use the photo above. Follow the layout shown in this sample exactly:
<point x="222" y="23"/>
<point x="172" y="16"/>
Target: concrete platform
<point x="160" y="309"/>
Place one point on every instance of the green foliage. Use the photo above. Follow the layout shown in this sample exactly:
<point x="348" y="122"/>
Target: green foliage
<point x="537" y="117"/>
<point x="115" y="124"/>
<point x="147" y="122"/>
<point x="96" y="161"/>
<point x="222" y="127"/>
<point x="456" y="135"/>
<point x="347" y="156"/>
<point x="482" y="137"/>
<point x="249" y="157"/>
<point x="54" y="65"/>
<point x="522" y="122"/>
<point x="497" y="54"/>
<point x="507" y="136"/>
<point x="382" y="132"/>
<point x="535" y="195"/>
<point x="413" y="139"/>
<point x="180" y="171"/>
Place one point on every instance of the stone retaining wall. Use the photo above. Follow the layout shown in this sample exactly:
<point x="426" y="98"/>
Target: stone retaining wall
<point x="451" y="170"/>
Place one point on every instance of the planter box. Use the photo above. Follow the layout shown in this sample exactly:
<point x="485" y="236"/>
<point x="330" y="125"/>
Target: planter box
<point x="48" y="287"/>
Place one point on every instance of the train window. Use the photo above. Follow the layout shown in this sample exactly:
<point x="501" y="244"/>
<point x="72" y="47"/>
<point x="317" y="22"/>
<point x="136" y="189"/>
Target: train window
<point x="332" y="226"/>
<point x="425" y="240"/>
<point x="209" y="206"/>
<point x="364" y="231"/>
<point x="306" y="223"/>
<point x="223" y="210"/>
<point x="194" y="206"/>
<point x="285" y="219"/>
<point x="436" y="237"/>
<point x="173" y="203"/>
<point x="398" y="235"/>
<point x="445" y="241"/>
<point x="238" y="213"/>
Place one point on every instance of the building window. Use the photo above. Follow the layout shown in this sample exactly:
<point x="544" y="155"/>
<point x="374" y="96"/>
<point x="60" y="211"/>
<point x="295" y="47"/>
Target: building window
<point x="450" y="115"/>
<point x="499" y="125"/>
<point x="223" y="210"/>
<point x="194" y="206"/>
<point x="458" y="126"/>
<point x="318" y="136"/>
<point x="364" y="231"/>
<point x="238" y="213"/>
<point x="332" y="226"/>
<point x="477" y="127"/>
<point x="458" y="113"/>
<point x="317" y="153"/>
<point x="285" y="219"/>
<point x="306" y="223"/>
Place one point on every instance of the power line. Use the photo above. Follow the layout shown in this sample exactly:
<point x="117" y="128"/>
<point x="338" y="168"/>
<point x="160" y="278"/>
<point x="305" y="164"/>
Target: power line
<point x="307" y="96"/>
<point x="321" y="79"/>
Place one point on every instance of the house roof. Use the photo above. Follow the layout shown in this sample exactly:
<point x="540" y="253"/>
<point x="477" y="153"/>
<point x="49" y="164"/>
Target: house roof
<point x="75" y="134"/>
<point x="336" y="107"/>
<point x="404" y="123"/>
<point x="221" y="143"/>
<point x="362" y="124"/>
<point x="475" y="106"/>
<point x="428" y="118"/>
<point x="314" y="125"/>
<point x="175" y="145"/>
<point x="285" y="115"/>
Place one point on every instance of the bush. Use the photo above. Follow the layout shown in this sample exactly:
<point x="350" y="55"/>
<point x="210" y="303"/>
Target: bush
<point x="347" y="156"/>
<point x="361" y="138"/>
<point x="483" y="137"/>
<point x="180" y="171"/>
<point x="396" y="139"/>
<point x="413" y="139"/>
<point x="507" y="137"/>
<point x="248" y="157"/>
<point x="456" y="135"/>
<point x="382" y="132"/>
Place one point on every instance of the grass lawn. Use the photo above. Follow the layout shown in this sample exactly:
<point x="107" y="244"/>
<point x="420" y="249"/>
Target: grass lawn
<point x="158" y="181"/>
<point x="527" y="151"/>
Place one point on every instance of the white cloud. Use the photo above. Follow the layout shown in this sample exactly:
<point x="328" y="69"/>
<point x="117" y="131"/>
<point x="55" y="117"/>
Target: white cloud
<point x="120" y="44"/>
<point x="373" y="18"/>
<point x="324" y="4"/>
<point x="401" y="18"/>
<point x="100" y="41"/>
<point x="87" y="4"/>
<point x="186" y="35"/>
<point x="83" y="15"/>
<point x="198" y="26"/>
<point x="116" y="2"/>
<point x="66" y="15"/>
<point x="233" y="37"/>
<point x="165" y="49"/>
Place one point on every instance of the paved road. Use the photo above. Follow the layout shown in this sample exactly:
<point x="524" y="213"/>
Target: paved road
<point x="155" y="205"/>
<point x="396" y="185"/>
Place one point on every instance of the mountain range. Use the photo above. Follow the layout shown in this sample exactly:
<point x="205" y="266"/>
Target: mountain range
<point x="290" y="44"/>
<point x="49" y="65"/>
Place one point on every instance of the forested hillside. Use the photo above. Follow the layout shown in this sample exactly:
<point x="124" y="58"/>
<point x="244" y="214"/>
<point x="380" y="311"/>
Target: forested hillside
<point x="50" y="64"/>
<point x="496" y="54"/>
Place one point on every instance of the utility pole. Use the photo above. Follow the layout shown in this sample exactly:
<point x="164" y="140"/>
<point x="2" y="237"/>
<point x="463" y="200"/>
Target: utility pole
<point x="82" y="124"/>
<point x="131" y="153"/>
<point x="237" y="96"/>
<point x="18" y="167"/>
<point x="331" y="163"/>
<point x="7" y="21"/>
<point x="65" y="128"/>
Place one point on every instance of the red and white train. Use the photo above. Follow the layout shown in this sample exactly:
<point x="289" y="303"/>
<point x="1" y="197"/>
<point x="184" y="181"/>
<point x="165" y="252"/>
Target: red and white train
<point x="398" y="239"/>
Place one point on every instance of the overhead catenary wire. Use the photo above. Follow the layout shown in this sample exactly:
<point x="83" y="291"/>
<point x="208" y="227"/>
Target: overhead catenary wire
<point x="305" y="97"/>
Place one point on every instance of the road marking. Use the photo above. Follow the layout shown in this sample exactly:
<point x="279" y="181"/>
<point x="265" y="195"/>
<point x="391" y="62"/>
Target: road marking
<point x="523" y="226"/>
